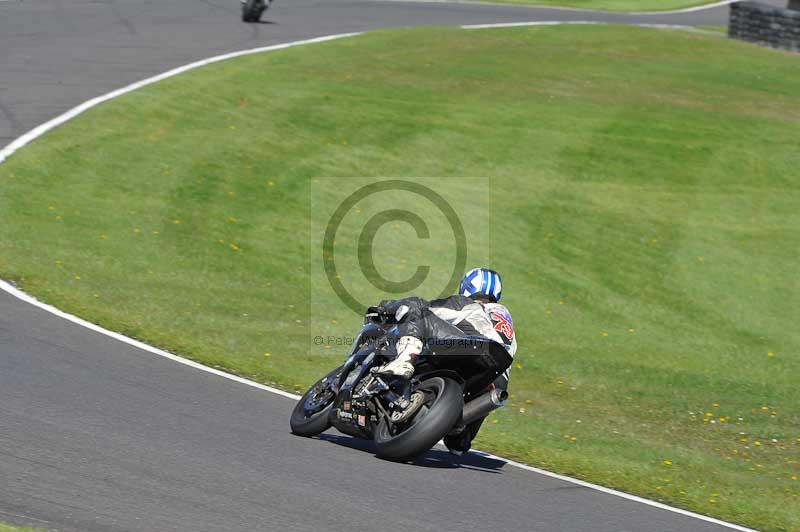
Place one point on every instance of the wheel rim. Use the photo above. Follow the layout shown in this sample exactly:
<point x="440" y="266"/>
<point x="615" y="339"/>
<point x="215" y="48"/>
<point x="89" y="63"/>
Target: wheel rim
<point x="431" y="389"/>
<point x="318" y="398"/>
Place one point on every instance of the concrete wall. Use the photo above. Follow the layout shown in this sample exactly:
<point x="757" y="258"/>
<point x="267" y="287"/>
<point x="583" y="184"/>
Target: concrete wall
<point x="764" y="24"/>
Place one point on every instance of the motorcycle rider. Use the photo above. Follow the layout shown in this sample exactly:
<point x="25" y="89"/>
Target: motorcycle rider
<point x="471" y="323"/>
<point x="253" y="9"/>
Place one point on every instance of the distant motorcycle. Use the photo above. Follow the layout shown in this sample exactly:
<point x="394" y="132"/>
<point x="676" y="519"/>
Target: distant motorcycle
<point x="253" y="9"/>
<point x="403" y="417"/>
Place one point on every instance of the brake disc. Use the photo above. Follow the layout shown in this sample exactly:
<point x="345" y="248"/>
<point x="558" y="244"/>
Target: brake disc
<point x="414" y="404"/>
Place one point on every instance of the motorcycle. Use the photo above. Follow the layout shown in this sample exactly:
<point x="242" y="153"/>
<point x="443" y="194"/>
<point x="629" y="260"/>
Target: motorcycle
<point x="404" y="417"/>
<point x="253" y="9"/>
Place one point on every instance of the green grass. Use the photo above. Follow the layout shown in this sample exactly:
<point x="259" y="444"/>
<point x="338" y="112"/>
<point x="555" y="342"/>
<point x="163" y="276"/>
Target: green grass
<point x="645" y="198"/>
<point x="13" y="528"/>
<point x="612" y="5"/>
<point x="713" y="28"/>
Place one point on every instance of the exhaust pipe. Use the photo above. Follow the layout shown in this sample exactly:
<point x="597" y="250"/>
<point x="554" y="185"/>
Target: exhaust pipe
<point x="483" y="405"/>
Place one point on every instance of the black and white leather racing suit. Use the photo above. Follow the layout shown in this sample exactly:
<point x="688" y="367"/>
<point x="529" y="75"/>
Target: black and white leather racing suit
<point x="480" y="333"/>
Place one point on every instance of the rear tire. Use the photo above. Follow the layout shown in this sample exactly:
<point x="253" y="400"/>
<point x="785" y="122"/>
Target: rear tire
<point x="428" y="426"/>
<point x="311" y="414"/>
<point x="252" y="10"/>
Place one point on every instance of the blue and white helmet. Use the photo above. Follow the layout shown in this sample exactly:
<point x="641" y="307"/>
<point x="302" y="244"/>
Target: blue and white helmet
<point x="481" y="282"/>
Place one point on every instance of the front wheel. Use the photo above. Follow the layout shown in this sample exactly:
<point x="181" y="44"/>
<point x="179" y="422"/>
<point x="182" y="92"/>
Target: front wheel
<point x="442" y="407"/>
<point x="311" y="413"/>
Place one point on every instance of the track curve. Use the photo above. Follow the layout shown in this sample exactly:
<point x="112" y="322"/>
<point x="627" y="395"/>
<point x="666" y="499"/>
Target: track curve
<point x="97" y="435"/>
<point x="55" y="55"/>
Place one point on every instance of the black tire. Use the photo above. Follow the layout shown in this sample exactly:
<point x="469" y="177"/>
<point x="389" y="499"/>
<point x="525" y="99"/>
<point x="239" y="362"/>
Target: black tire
<point x="428" y="426"/>
<point x="310" y="417"/>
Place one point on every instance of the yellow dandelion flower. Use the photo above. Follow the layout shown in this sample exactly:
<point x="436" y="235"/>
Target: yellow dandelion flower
<point x="667" y="462"/>
<point x="267" y="354"/>
<point x="234" y="247"/>
<point x="270" y="184"/>
<point x="604" y="333"/>
<point x="770" y="354"/>
<point x="176" y="222"/>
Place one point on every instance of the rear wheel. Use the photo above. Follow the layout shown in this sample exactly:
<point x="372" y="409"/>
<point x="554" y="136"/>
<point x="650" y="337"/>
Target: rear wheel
<point x="311" y="413"/>
<point x="252" y="10"/>
<point x="442" y="407"/>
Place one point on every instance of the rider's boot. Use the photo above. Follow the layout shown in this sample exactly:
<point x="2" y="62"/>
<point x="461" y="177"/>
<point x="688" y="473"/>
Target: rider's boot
<point x="408" y="347"/>
<point x="460" y="442"/>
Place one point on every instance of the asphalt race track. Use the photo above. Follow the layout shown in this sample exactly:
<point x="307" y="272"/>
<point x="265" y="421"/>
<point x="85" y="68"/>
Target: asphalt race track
<point x="96" y="435"/>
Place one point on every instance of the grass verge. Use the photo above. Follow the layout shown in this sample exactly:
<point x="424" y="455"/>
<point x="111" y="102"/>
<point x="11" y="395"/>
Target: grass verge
<point x="645" y="206"/>
<point x="13" y="528"/>
<point x="612" y="5"/>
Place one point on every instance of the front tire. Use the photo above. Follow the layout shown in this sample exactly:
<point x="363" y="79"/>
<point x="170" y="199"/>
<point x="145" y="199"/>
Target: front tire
<point x="441" y="411"/>
<point x="312" y="412"/>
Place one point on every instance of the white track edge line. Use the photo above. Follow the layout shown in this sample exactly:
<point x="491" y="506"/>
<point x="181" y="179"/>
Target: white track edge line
<point x="85" y="106"/>
<point x="691" y="9"/>
<point x="616" y="493"/>
<point x="19" y="294"/>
